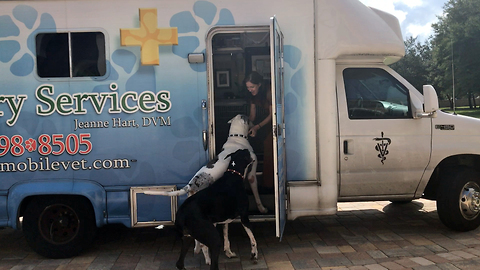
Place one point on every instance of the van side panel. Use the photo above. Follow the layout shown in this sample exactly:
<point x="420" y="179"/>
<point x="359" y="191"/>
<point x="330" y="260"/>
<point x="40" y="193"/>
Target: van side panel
<point x="136" y="125"/>
<point x="3" y="211"/>
<point x="118" y="211"/>
<point x="132" y="125"/>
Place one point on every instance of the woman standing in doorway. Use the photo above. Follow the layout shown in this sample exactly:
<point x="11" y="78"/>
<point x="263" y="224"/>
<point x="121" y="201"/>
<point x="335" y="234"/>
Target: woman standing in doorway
<point x="260" y="100"/>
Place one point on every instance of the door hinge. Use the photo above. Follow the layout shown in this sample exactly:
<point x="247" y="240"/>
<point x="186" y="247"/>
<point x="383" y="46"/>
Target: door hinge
<point x="277" y="130"/>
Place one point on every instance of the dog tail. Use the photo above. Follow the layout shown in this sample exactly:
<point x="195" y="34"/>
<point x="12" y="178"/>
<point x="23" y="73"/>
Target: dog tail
<point x="167" y="193"/>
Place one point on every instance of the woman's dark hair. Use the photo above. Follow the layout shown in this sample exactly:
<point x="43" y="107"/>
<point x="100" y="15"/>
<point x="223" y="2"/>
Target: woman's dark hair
<point x="255" y="78"/>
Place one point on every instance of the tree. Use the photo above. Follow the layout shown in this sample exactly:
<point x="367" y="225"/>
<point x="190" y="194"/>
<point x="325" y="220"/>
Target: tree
<point x="456" y="45"/>
<point x="415" y="65"/>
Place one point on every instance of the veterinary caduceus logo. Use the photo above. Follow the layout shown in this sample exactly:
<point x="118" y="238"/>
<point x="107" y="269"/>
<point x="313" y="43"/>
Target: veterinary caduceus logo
<point x="382" y="147"/>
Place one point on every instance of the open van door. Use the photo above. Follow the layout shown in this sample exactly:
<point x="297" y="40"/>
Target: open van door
<point x="278" y="120"/>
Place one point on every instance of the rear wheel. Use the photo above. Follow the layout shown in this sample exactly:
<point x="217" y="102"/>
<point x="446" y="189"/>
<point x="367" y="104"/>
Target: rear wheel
<point x="59" y="227"/>
<point x="458" y="201"/>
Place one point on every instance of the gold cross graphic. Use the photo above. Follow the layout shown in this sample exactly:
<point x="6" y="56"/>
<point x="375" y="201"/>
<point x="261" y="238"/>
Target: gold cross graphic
<point x="149" y="37"/>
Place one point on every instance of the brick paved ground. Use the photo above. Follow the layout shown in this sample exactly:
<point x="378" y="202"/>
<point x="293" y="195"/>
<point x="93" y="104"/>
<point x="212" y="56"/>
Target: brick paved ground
<point x="362" y="236"/>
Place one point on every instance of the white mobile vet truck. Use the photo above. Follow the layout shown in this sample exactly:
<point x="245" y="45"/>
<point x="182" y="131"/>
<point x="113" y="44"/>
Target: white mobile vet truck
<point x="103" y="100"/>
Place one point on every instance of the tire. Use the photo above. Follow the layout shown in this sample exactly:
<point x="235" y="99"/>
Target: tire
<point x="458" y="201"/>
<point x="58" y="226"/>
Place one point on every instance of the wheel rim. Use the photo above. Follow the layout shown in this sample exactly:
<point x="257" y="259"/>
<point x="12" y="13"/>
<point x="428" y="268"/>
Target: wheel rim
<point x="59" y="224"/>
<point x="470" y="200"/>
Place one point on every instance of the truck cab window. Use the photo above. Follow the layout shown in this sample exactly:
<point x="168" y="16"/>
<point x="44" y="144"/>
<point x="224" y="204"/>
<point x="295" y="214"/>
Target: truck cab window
<point x="373" y="93"/>
<point x="72" y="54"/>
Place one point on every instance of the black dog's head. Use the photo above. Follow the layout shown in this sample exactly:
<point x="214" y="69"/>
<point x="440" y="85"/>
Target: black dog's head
<point x="240" y="161"/>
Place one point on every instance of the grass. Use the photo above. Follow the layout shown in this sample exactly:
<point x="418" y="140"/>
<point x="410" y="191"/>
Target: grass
<point x="464" y="111"/>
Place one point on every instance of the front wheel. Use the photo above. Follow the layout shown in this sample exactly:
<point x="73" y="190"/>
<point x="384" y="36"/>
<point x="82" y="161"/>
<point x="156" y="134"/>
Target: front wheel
<point x="458" y="201"/>
<point x="57" y="226"/>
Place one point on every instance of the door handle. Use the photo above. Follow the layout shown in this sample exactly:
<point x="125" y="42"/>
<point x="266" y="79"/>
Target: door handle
<point x="205" y="140"/>
<point x="205" y="125"/>
<point x="345" y="147"/>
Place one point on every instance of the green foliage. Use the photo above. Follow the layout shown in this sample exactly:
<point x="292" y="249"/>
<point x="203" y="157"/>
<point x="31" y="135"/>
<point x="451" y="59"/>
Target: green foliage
<point x="415" y="65"/>
<point x="464" y="111"/>
<point x="456" y="41"/>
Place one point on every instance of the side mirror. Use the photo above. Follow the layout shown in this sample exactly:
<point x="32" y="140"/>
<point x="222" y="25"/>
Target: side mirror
<point x="430" y="101"/>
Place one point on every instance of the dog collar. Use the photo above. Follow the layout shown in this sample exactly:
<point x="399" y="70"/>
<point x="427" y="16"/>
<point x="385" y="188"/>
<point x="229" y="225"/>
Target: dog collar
<point x="235" y="172"/>
<point x="237" y="135"/>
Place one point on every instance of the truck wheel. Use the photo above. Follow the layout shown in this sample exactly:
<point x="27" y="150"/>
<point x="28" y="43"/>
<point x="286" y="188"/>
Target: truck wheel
<point x="59" y="227"/>
<point x="458" y="201"/>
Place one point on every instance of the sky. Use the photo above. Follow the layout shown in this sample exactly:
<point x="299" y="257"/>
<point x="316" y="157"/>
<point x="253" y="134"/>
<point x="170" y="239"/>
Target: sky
<point x="415" y="16"/>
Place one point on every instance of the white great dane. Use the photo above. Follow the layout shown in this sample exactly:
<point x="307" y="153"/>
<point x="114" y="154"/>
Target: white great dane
<point x="237" y="139"/>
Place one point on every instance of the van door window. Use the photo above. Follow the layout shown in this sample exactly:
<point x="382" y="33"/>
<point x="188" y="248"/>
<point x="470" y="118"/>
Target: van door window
<point x="72" y="54"/>
<point x="373" y="93"/>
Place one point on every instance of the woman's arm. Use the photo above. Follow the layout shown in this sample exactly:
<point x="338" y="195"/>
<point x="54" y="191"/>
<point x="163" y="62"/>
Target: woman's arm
<point x="253" y="131"/>
<point x="267" y="119"/>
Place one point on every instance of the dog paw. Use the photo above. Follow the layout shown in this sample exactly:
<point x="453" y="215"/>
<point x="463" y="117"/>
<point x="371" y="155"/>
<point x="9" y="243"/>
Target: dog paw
<point x="262" y="209"/>
<point x="254" y="258"/>
<point x="180" y="266"/>
<point x="230" y="254"/>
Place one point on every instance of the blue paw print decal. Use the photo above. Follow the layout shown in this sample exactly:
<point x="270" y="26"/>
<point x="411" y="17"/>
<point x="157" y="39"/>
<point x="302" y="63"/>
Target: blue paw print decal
<point x="11" y="48"/>
<point x="21" y="65"/>
<point x="205" y="14"/>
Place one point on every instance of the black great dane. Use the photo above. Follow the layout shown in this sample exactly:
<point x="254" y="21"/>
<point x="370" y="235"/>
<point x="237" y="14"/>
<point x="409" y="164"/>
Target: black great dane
<point x="223" y="201"/>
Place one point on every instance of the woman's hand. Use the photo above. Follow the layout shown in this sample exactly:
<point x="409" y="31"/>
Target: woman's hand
<point x="253" y="131"/>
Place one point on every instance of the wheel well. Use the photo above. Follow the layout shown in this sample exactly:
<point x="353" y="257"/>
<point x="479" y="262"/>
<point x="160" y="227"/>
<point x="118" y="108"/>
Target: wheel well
<point x="448" y="164"/>
<point x="27" y="200"/>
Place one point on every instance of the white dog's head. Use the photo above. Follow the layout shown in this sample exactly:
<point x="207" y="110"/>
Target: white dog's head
<point x="239" y="126"/>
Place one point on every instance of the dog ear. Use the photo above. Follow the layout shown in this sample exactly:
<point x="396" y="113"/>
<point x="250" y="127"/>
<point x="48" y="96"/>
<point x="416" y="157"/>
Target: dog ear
<point x="241" y="116"/>
<point x="231" y="120"/>
<point x="244" y="117"/>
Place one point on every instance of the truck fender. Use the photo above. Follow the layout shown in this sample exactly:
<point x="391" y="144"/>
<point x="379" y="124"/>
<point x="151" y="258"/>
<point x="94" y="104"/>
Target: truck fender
<point x="94" y="192"/>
